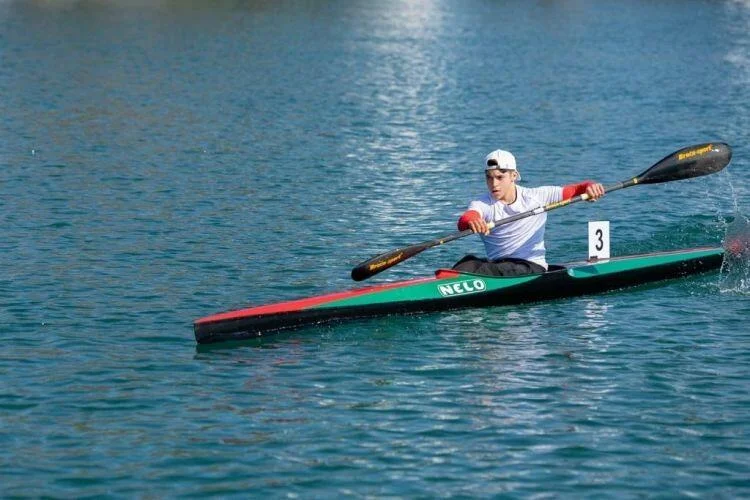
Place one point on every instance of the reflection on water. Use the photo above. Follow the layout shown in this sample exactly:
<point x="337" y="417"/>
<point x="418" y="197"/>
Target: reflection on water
<point x="738" y="122"/>
<point x="595" y="315"/>
<point x="739" y="55"/>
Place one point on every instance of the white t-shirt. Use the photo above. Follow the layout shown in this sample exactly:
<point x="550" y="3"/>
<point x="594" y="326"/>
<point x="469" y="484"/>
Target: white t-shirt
<point x="524" y="238"/>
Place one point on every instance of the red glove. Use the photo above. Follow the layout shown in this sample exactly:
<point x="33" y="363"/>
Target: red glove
<point x="572" y="190"/>
<point x="468" y="216"/>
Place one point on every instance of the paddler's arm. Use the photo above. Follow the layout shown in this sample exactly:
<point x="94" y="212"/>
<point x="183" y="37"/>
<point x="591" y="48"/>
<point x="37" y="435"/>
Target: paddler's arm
<point x="471" y="219"/>
<point x="594" y="190"/>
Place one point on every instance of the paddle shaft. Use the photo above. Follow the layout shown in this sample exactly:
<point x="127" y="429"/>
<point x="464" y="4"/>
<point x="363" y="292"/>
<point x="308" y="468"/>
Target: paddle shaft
<point x="539" y="210"/>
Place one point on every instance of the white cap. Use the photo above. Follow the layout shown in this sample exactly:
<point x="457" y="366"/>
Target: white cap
<point x="502" y="160"/>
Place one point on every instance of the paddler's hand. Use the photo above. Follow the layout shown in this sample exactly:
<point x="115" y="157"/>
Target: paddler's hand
<point x="479" y="226"/>
<point x="594" y="191"/>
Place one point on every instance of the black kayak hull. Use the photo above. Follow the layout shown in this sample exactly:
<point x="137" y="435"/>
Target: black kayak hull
<point x="450" y="290"/>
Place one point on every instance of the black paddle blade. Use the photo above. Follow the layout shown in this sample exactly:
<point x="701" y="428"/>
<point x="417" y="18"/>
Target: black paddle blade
<point x="693" y="161"/>
<point x="385" y="261"/>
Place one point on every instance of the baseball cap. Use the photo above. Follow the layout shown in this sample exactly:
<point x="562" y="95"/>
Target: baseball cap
<point x="501" y="159"/>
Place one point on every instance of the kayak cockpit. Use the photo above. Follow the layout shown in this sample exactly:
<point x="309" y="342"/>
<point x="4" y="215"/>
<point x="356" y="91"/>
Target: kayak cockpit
<point x="445" y="273"/>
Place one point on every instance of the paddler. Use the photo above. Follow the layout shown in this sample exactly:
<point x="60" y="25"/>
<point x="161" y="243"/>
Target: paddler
<point x="516" y="248"/>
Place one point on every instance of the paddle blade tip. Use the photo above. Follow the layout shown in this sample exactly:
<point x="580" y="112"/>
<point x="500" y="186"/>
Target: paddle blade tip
<point x="359" y="274"/>
<point x="720" y="156"/>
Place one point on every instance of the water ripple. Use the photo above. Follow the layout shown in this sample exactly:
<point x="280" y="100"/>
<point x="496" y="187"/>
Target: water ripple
<point x="162" y="161"/>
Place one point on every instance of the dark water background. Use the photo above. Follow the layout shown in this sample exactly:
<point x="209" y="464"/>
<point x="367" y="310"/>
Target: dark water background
<point x="161" y="161"/>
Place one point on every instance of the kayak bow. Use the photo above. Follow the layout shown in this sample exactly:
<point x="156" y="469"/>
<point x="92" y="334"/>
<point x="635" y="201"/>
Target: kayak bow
<point x="450" y="289"/>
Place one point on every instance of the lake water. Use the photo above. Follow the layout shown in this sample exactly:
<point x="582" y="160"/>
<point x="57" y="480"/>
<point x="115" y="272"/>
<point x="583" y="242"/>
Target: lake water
<point x="162" y="161"/>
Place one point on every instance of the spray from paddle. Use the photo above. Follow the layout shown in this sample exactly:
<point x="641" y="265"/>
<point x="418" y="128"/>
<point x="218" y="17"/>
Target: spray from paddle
<point x="735" y="271"/>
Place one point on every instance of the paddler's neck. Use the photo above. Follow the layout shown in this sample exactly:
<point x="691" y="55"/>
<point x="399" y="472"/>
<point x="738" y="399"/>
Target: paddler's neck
<point x="510" y="196"/>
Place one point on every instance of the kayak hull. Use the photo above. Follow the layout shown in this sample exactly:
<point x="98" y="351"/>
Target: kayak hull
<point x="453" y="290"/>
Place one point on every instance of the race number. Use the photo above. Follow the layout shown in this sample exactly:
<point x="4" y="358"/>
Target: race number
<point x="599" y="239"/>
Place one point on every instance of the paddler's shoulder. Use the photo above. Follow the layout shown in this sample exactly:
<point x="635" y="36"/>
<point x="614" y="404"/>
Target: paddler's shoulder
<point x="539" y="193"/>
<point x="485" y="199"/>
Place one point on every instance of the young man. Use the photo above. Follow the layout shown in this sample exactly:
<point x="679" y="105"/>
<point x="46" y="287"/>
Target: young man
<point x="518" y="247"/>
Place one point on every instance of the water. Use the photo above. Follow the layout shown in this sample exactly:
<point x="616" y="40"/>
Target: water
<point x="161" y="161"/>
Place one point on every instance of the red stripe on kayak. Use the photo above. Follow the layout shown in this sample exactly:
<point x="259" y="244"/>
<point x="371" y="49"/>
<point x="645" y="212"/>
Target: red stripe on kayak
<point x="302" y="304"/>
<point x="442" y="274"/>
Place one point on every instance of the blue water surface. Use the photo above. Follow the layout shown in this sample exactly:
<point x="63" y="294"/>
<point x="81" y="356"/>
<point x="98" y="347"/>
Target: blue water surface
<point x="162" y="161"/>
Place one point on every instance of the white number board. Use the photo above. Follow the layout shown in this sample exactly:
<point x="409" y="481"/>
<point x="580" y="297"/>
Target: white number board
<point x="599" y="239"/>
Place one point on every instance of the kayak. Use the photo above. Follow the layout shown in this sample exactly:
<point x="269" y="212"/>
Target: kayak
<point x="450" y="289"/>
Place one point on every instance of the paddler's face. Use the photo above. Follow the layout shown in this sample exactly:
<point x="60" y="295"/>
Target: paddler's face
<point x="500" y="182"/>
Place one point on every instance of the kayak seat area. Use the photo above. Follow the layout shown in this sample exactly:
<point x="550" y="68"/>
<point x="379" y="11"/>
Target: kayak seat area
<point x="453" y="273"/>
<point x="507" y="267"/>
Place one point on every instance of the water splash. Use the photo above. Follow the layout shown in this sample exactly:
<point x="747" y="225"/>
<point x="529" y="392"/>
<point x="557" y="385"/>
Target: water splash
<point x="735" y="271"/>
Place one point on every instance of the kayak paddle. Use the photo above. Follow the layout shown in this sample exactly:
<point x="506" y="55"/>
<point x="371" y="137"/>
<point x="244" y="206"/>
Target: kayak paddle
<point x="689" y="162"/>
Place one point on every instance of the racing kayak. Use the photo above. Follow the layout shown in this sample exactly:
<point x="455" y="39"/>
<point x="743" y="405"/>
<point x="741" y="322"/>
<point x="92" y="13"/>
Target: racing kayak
<point x="450" y="289"/>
